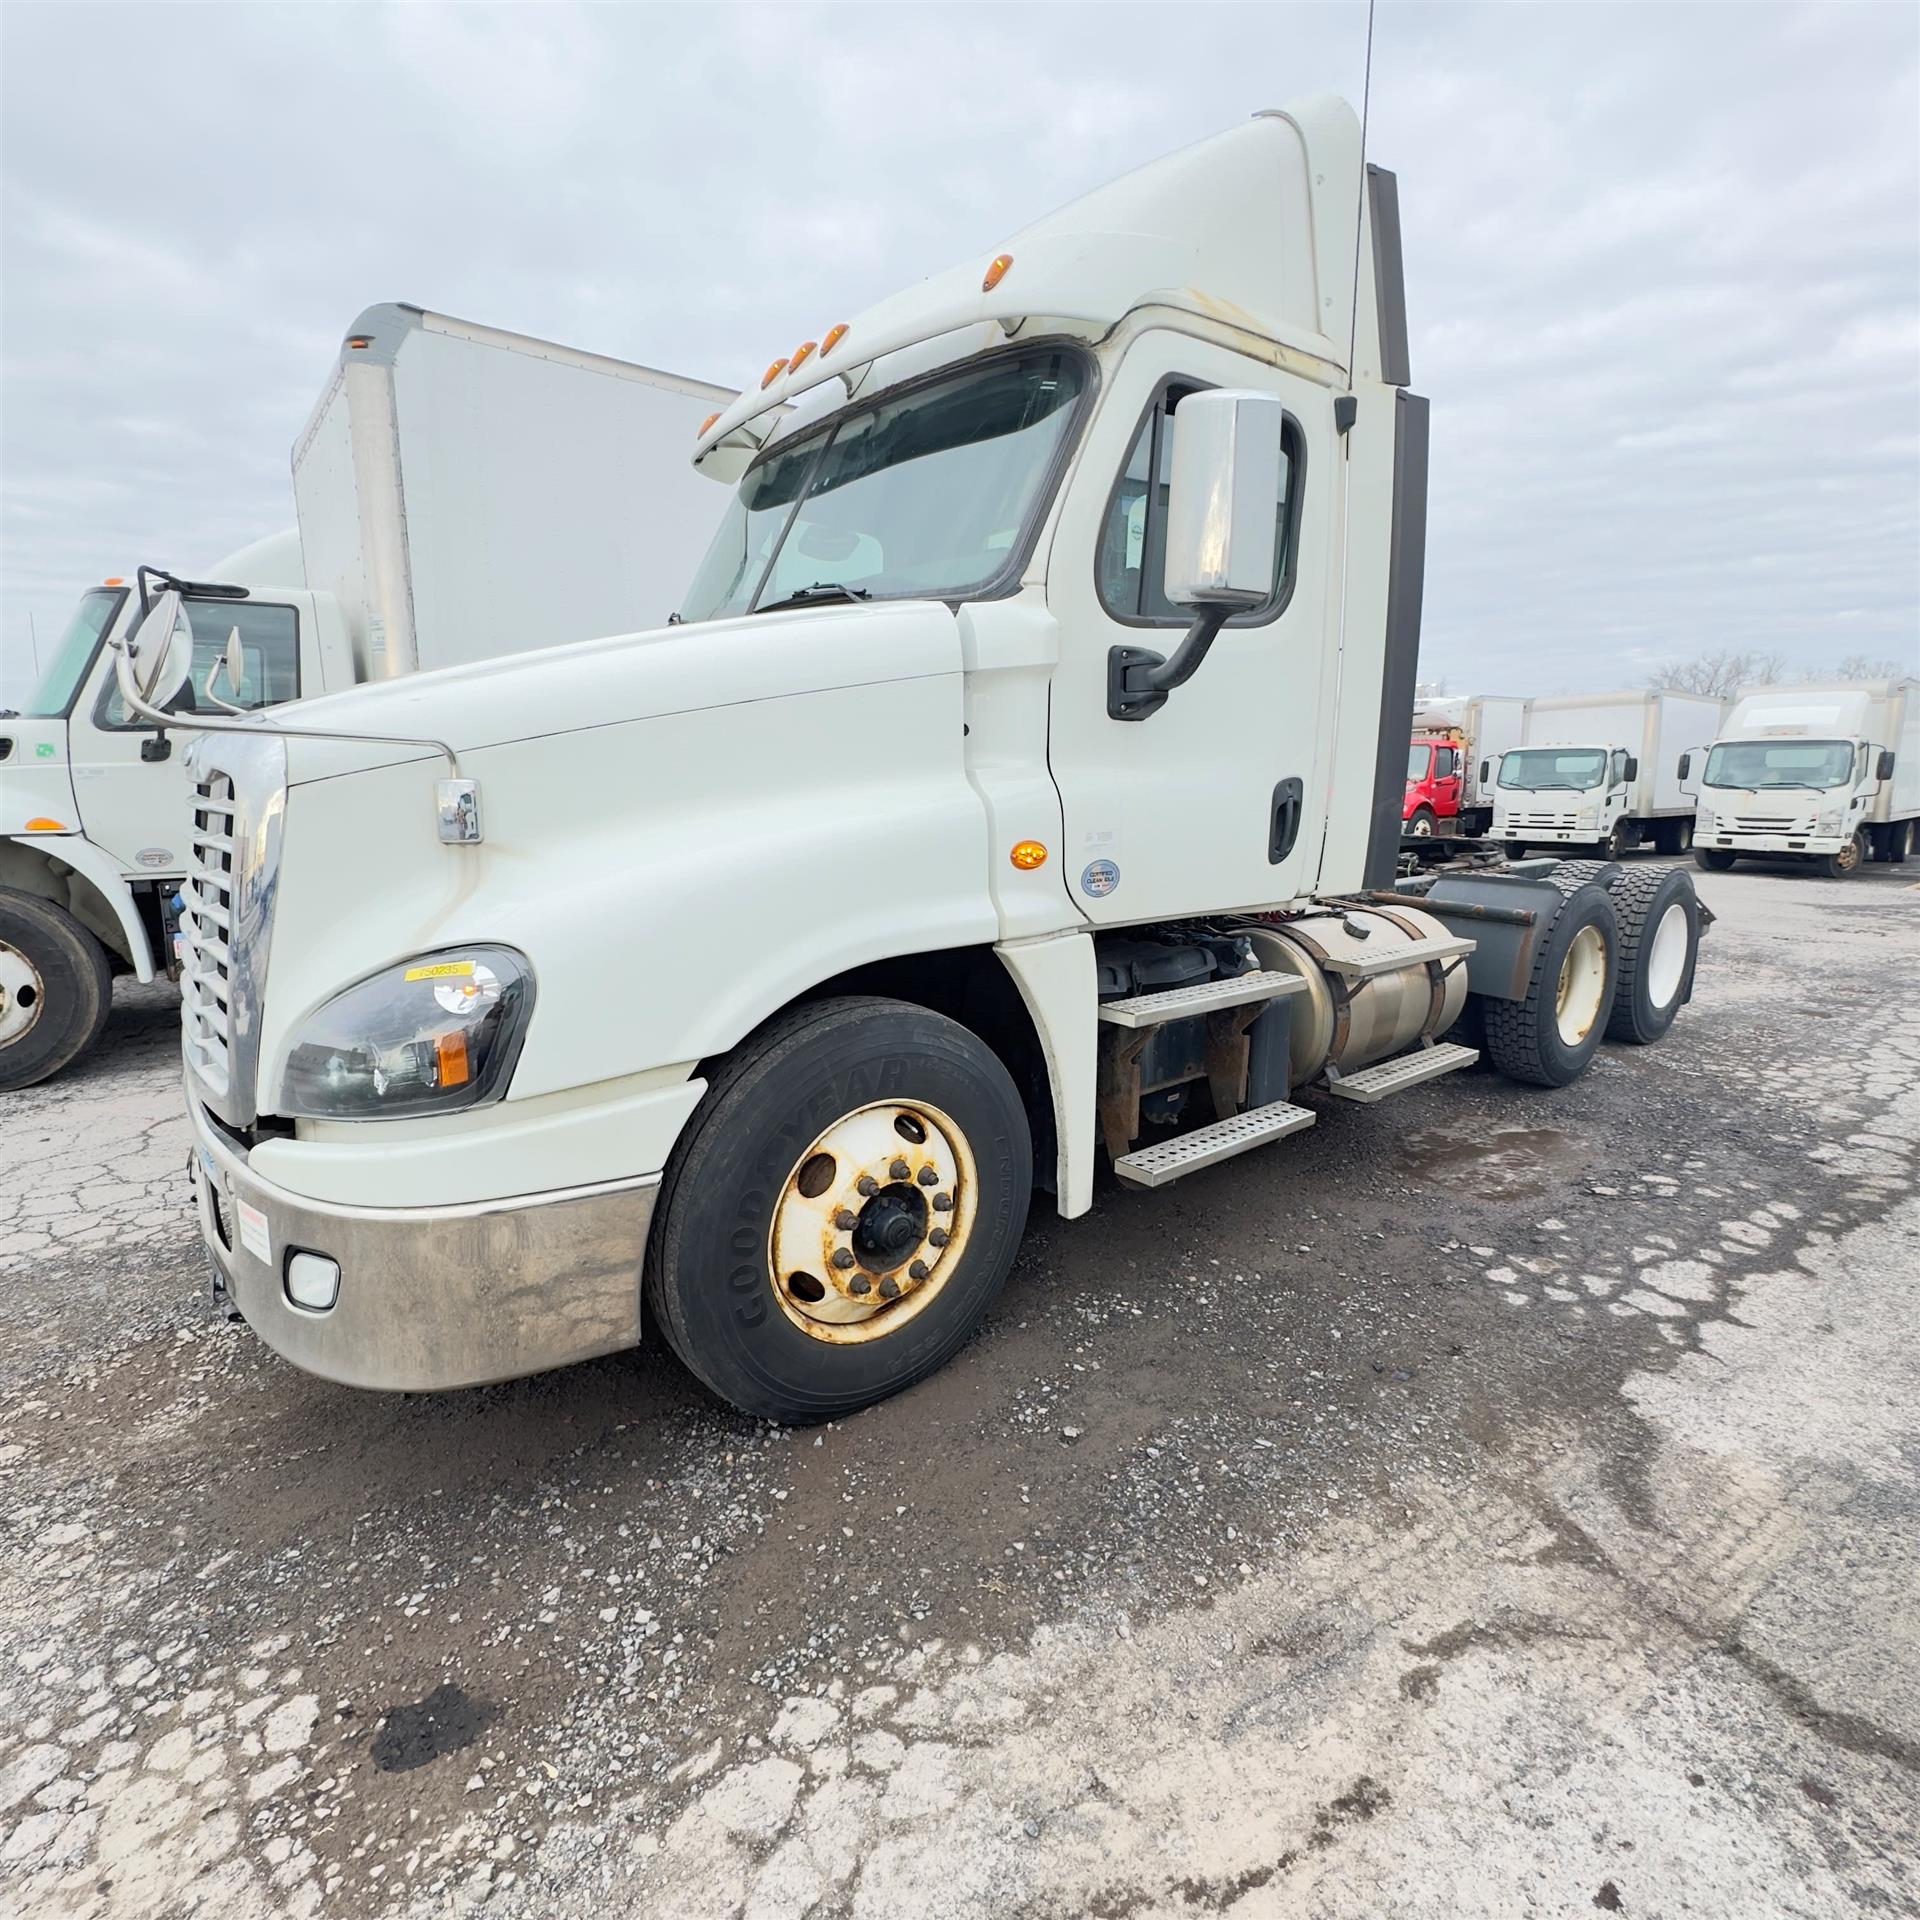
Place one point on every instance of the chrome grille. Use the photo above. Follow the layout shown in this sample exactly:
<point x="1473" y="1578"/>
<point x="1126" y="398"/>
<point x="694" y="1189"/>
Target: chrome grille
<point x="206" y="927"/>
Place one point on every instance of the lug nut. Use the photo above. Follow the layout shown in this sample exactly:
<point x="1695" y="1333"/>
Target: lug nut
<point x="900" y="1170"/>
<point x="844" y="1220"/>
<point x="889" y="1288"/>
<point x="928" y="1178"/>
<point x="918" y="1271"/>
<point x="943" y="1203"/>
<point x="868" y="1185"/>
<point x="938" y="1237"/>
<point x="859" y="1284"/>
<point x="844" y="1258"/>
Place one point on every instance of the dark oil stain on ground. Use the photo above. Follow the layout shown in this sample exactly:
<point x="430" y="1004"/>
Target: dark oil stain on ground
<point x="1501" y="1163"/>
<point x="444" y="1722"/>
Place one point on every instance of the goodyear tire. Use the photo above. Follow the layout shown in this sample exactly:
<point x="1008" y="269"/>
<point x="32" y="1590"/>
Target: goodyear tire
<point x="55" y="990"/>
<point x="842" y="1211"/>
<point x="1659" y="915"/>
<point x="1547" y="1038"/>
<point x="1713" y="859"/>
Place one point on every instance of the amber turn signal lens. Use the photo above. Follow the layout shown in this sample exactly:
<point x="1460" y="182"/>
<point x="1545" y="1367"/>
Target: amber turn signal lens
<point x="800" y="353"/>
<point x="772" y="374"/>
<point x="700" y="430"/>
<point x="41" y="824"/>
<point x="1028" y="854"/>
<point x="450" y="1054"/>
<point x="835" y="334"/>
<point x="997" y="272"/>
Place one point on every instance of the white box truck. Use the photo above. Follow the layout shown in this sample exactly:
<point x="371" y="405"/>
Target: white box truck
<point x="463" y="493"/>
<point x="1020" y="794"/>
<point x="1828" y="775"/>
<point x="1602" y="770"/>
<point x="1450" y="762"/>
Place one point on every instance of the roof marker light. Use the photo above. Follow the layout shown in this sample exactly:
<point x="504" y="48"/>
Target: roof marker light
<point x="800" y="353"/>
<point x="996" y="272"/>
<point x="835" y="334"/>
<point x="772" y="374"/>
<point x="113" y="580"/>
<point x="360" y="340"/>
<point x="700" y="432"/>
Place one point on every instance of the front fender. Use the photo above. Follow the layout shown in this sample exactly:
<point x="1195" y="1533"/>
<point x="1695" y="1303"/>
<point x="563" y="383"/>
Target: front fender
<point x="90" y="873"/>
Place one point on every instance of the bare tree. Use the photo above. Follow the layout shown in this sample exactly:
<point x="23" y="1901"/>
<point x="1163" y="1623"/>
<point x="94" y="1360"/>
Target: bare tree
<point x="1722" y="672"/>
<point x="1863" y="666"/>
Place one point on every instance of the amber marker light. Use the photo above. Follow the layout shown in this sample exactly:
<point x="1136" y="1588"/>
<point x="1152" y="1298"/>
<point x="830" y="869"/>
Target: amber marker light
<point x="1028" y="854"/>
<point x="113" y="580"/>
<point x="772" y="374"/>
<point x="360" y="342"/>
<point x="997" y="272"/>
<point x="700" y="431"/>
<point x="835" y="334"/>
<point x="41" y="824"/>
<point x="800" y="353"/>
<point x="450" y="1055"/>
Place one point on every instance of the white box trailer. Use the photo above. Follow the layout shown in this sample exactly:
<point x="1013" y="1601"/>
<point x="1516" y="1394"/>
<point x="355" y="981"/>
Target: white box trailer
<point x="1826" y="774"/>
<point x="1603" y="770"/>
<point x="466" y="493"/>
<point x="507" y="494"/>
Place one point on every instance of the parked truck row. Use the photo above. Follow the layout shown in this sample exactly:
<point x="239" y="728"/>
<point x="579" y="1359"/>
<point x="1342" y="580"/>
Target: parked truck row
<point x="1013" y="803"/>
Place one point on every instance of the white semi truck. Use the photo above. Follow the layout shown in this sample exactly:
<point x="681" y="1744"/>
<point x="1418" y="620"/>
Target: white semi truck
<point x="1828" y="775"/>
<point x="462" y="493"/>
<point x="1017" y="795"/>
<point x="1602" y="770"/>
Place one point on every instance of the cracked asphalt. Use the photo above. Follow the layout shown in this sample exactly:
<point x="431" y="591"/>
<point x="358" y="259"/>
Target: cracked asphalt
<point x="1491" y="1502"/>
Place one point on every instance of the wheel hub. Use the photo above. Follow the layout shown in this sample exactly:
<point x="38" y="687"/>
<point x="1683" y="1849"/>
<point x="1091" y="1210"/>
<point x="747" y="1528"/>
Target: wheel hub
<point x="21" y="994"/>
<point x="871" y="1221"/>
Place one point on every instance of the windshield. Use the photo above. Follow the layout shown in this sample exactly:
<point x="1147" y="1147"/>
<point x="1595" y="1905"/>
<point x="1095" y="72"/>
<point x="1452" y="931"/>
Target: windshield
<point x="923" y="496"/>
<point x="1780" y="763"/>
<point x="1417" y="762"/>
<point x="1538" y="767"/>
<point x="53" y="697"/>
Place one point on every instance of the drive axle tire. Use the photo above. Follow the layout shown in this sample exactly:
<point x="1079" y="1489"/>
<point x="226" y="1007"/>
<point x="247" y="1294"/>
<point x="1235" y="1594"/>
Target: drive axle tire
<point x="1659" y="916"/>
<point x="842" y="1210"/>
<point x="55" y="990"/>
<point x="1547" y="1038"/>
<point x="1713" y="859"/>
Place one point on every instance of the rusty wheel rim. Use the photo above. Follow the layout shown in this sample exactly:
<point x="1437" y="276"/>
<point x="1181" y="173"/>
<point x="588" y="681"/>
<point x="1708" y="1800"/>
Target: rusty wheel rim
<point x="871" y="1221"/>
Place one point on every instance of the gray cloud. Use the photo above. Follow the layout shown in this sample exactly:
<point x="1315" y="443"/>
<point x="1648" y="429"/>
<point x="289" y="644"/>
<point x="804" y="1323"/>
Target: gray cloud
<point x="1664" y="261"/>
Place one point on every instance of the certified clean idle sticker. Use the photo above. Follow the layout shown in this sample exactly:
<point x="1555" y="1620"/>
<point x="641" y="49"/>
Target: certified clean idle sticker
<point x="1098" y="878"/>
<point x="154" y="857"/>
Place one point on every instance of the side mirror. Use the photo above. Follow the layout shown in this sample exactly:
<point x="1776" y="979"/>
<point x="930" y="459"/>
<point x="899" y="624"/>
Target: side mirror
<point x="1486" y="771"/>
<point x="1223" y="525"/>
<point x="1885" y="770"/>
<point x="155" y="663"/>
<point x="1686" y="765"/>
<point x="1631" y="770"/>
<point x="233" y="663"/>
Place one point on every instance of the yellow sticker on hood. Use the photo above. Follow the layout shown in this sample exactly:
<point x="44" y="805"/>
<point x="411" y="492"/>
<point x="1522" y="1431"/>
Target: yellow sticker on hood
<point x="445" y="970"/>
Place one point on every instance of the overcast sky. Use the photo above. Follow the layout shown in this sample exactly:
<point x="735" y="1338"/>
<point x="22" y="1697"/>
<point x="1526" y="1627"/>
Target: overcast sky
<point x="1663" y="260"/>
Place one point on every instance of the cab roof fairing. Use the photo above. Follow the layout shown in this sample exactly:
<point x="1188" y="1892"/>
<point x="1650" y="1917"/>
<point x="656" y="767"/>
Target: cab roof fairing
<point x="1181" y="232"/>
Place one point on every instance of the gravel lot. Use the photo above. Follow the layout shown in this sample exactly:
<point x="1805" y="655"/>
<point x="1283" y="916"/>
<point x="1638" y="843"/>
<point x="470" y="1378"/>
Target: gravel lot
<point x="1491" y="1502"/>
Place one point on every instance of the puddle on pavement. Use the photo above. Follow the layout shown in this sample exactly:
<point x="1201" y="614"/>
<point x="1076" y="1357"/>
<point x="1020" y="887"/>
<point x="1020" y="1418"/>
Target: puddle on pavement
<point x="444" y="1722"/>
<point x="1504" y="1163"/>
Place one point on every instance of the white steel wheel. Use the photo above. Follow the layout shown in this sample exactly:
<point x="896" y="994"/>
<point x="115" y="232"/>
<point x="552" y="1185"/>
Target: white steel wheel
<point x="872" y="1221"/>
<point x="1580" y="996"/>
<point x="1667" y="955"/>
<point x="22" y="994"/>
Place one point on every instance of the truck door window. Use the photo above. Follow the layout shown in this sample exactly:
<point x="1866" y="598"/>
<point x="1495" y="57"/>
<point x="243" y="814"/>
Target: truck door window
<point x="1617" y="767"/>
<point x="1130" y="563"/>
<point x="1446" y="763"/>
<point x="269" y="645"/>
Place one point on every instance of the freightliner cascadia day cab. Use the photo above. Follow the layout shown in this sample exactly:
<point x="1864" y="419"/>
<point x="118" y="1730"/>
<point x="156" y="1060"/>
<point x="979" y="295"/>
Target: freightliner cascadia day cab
<point x="1450" y="763"/>
<point x="1019" y="791"/>
<point x="1602" y="770"/>
<point x="462" y="493"/>
<point x="1827" y="775"/>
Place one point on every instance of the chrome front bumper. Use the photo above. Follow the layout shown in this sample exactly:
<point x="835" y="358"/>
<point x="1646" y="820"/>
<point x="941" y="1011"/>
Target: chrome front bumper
<point x="429" y="1297"/>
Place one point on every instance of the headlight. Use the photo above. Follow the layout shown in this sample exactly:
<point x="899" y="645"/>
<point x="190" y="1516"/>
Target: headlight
<point x="1831" y="819"/>
<point x="433" y="1035"/>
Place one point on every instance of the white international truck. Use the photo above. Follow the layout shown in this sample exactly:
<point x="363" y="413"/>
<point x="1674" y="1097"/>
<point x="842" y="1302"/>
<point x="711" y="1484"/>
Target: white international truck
<point x="1017" y="795"/>
<point x="1828" y="775"/>
<point x="462" y="493"/>
<point x="1602" y="770"/>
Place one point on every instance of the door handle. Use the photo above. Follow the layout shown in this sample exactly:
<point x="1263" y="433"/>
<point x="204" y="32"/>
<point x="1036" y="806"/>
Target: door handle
<point x="1285" y="829"/>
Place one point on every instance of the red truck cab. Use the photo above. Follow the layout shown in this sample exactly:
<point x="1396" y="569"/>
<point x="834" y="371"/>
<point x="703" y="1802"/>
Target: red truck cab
<point x="1434" y="777"/>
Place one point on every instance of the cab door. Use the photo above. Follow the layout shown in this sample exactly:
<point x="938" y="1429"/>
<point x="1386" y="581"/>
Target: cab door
<point x="1214" y="800"/>
<point x="1446" y="782"/>
<point x="127" y="776"/>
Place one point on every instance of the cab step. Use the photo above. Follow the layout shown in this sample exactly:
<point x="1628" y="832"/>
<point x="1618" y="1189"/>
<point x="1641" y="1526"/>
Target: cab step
<point x="1170" y="1160"/>
<point x="1210" y="996"/>
<point x="1403" y="1071"/>
<point x="1369" y="966"/>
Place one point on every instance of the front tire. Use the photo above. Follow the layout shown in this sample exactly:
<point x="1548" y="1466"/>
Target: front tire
<point x="1847" y="862"/>
<point x="793" y="1267"/>
<point x="1713" y="859"/>
<point x="1420" y="823"/>
<point x="1659" y="944"/>
<point x="1547" y="1038"/>
<point x="55" y="990"/>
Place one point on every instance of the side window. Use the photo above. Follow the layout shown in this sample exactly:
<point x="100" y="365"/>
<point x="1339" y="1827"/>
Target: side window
<point x="269" y="646"/>
<point x="1446" y="763"/>
<point x="1618" y="771"/>
<point x="1130" y="564"/>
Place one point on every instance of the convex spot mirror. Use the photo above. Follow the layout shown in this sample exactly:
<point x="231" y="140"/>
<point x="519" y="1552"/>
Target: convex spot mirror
<point x="1221" y="520"/>
<point x="155" y="664"/>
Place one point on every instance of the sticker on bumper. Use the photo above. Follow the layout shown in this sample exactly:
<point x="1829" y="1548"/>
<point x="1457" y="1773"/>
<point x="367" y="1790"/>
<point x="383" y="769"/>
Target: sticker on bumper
<point x="253" y="1231"/>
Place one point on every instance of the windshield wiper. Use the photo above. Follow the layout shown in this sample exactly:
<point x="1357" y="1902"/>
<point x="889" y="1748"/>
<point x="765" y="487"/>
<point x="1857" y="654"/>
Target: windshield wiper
<point x="820" y="592"/>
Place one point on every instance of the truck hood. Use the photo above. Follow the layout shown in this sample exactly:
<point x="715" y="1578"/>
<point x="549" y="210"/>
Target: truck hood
<point x="36" y="779"/>
<point x="599" y="684"/>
